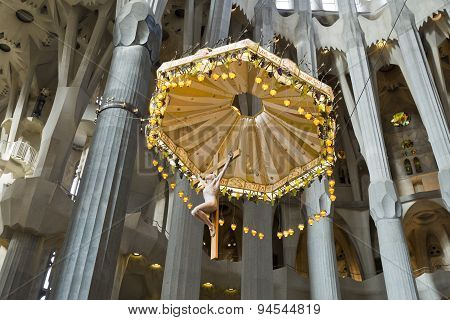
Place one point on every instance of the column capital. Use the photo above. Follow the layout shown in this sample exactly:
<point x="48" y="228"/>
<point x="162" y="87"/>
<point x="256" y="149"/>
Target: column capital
<point x="384" y="202"/>
<point x="316" y="198"/>
<point x="46" y="201"/>
<point x="135" y="25"/>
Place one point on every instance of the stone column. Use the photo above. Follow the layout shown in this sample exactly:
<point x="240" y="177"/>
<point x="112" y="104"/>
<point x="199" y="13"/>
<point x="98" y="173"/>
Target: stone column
<point x="385" y="207"/>
<point x="22" y="102"/>
<point x="263" y="32"/>
<point x="18" y="273"/>
<point x="321" y="249"/>
<point x="394" y="253"/>
<point x="432" y="39"/>
<point x="9" y="111"/>
<point x="188" y="27"/>
<point x="91" y="246"/>
<point x="3" y="251"/>
<point x="424" y="91"/>
<point x="427" y="288"/>
<point x="121" y="268"/>
<point x="193" y="11"/>
<point x="341" y="69"/>
<point x="305" y="42"/>
<point x="218" y="22"/>
<point x="323" y="275"/>
<point x="182" y="269"/>
<point x="257" y="261"/>
<point x="290" y="218"/>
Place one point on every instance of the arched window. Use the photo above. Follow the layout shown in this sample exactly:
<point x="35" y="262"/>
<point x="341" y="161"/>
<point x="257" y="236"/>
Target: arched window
<point x="408" y="167"/>
<point x="417" y="165"/>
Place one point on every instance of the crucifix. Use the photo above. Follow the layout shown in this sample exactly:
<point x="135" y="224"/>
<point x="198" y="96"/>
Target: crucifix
<point x="211" y="186"/>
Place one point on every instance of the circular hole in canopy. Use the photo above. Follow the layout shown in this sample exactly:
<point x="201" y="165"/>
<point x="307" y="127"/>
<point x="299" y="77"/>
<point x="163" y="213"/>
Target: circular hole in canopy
<point x="4" y="47"/>
<point x="24" y="16"/>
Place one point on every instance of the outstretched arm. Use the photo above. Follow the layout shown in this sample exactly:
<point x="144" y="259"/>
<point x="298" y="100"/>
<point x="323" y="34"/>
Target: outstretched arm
<point x="225" y="167"/>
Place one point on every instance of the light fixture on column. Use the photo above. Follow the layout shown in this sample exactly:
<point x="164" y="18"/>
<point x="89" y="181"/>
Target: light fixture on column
<point x="231" y="291"/>
<point x="155" y="266"/>
<point x="207" y="285"/>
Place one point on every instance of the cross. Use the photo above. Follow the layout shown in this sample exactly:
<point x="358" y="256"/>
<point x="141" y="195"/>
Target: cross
<point x="215" y="239"/>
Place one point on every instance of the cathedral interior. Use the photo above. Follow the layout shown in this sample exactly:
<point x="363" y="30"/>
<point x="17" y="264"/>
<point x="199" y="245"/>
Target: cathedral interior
<point x="84" y="214"/>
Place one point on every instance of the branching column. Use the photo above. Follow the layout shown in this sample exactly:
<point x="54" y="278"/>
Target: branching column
<point x="91" y="247"/>
<point x="384" y="204"/>
<point x="424" y="91"/>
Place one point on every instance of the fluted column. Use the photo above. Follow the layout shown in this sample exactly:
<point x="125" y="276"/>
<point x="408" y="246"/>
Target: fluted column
<point x="424" y="91"/>
<point x="385" y="207"/>
<point x="323" y="274"/>
<point x="323" y="279"/>
<point x="182" y="269"/>
<point x="218" y="22"/>
<point x="305" y="40"/>
<point x="257" y="260"/>
<point x="18" y="273"/>
<point x="91" y="247"/>
<point x="290" y="218"/>
<point x="263" y="32"/>
<point x="395" y="259"/>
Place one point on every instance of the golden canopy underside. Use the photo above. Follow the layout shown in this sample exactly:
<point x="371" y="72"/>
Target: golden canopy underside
<point x="272" y="143"/>
<point x="277" y="145"/>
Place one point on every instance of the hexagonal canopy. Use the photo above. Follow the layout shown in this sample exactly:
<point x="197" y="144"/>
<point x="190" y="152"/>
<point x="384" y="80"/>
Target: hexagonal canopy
<point x="242" y="97"/>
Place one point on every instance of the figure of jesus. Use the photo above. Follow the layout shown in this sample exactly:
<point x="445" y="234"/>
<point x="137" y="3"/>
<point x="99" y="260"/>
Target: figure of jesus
<point x="210" y="191"/>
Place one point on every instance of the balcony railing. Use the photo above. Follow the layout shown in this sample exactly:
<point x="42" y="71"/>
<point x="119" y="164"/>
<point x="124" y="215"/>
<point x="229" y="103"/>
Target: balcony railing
<point x="20" y="152"/>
